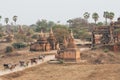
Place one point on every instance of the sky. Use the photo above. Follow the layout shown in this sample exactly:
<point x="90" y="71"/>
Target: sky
<point x="29" y="11"/>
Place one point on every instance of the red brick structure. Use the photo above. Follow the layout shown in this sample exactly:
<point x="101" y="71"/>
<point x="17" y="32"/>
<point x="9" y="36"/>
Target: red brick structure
<point x="45" y="44"/>
<point x="70" y="51"/>
<point x="52" y="40"/>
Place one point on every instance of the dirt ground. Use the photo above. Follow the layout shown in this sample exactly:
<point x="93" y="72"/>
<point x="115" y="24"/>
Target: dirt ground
<point x="17" y="56"/>
<point x="101" y="57"/>
<point x="67" y="72"/>
<point x="100" y="66"/>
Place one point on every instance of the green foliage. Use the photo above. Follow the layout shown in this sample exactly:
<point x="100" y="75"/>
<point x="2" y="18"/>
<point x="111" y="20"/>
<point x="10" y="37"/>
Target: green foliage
<point x="79" y="26"/>
<point x="95" y="16"/>
<point x="6" y="20"/>
<point x="9" y="49"/>
<point x="44" y="25"/>
<point x="99" y="24"/>
<point x="35" y="36"/>
<point x="117" y="30"/>
<point x="77" y="23"/>
<point x="0" y="17"/>
<point x="86" y="15"/>
<point x="80" y="33"/>
<point x="15" y="18"/>
<point x="60" y="32"/>
<point x="106" y="50"/>
<point x="61" y="61"/>
<point x="111" y="15"/>
<point x="1" y="35"/>
<point x="22" y="38"/>
<point x="29" y="32"/>
<point x="108" y="15"/>
<point x="19" y="45"/>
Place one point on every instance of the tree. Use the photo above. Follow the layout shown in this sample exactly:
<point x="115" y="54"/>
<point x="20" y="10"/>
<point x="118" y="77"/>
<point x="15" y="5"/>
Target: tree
<point x="78" y="22"/>
<point x="95" y="16"/>
<point x="0" y="17"/>
<point x="86" y="15"/>
<point x="69" y="22"/>
<point x="111" y="15"/>
<point x="41" y="24"/>
<point x="100" y="24"/>
<point x="106" y="16"/>
<point x="15" y="19"/>
<point x="60" y="32"/>
<point x="50" y="24"/>
<point x="6" y="20"/>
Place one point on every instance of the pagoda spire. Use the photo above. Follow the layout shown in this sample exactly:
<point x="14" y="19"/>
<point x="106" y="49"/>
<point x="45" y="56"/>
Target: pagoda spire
<point x="51" y="31"/>
<point x="20" y="29"/>
<point x="41" y="33"/>
<point x="71" y="34"/>
<point x="65" y="41"/>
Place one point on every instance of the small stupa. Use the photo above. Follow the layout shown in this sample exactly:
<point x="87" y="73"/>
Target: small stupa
<point x="52" y="40"/>
<point x="41" y="45"/>
<point x="71" y="52"/>
<point x="10" y="38"/>
<point x="20" y="30"/>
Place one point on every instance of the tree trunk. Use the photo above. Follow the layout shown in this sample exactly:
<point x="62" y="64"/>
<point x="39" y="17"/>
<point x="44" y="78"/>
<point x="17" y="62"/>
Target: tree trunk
<point x="106" y="20"/>
<point x="93" y="40"/>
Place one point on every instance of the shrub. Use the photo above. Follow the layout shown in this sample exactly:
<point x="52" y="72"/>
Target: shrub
<point x="19" y="45"/>
<point x="61" y="61"/>
<point x="22" y="38"/>
<point x="35" y="36"/>
<point x="1" y="34"/>
<point x="106" y="50"/>
<point x="9" y="49"/>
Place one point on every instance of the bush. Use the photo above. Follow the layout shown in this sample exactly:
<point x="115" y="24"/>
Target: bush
<point x="19" y="45"/>
<point x="9" y="49"/>
<point x="35" y="36"/>
<point x="1" y="34"/>
<point x="106" y="50"/>
<point x="22" y="38"/>
<point x="61" y="61"/>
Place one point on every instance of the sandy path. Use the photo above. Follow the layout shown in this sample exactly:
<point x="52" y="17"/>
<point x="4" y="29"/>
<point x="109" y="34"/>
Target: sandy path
<point x="47" y="58"/>
<point x="84" y="49"/>
<point x="18" y="68"/>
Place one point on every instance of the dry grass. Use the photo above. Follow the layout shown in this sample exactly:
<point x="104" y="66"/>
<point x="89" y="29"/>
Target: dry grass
<point x="68" y="72"/>
<point x="101" y="57"/>
<point x="108" y="70"/>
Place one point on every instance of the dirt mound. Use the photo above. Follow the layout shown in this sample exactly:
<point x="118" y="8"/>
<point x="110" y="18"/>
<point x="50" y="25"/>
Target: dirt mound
<point x="101" y="57"/>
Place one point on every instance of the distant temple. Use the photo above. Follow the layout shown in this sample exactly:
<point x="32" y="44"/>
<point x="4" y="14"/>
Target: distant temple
<point x="107" y="35"/>
<point x="45" y="44"/>
<point x="69" y="50"/>
<point x="9" y="34"/>
<point x="20" y="30"/>
<point x="9" y="37"/>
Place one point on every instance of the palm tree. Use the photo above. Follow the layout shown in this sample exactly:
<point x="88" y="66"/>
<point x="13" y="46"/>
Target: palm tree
<point x="0" y="17"/>
<point x="15" y="19"/>
<point x="86" y="15"/>
<point x="6" y="20"/>
<point x="70" y="22"/>
<point x="111" y="15"/>
<point x="106" y="16"/>
<point x="95" y="16"/>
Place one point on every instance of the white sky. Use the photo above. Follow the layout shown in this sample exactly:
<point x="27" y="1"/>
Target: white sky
<point x="29" y="11"/>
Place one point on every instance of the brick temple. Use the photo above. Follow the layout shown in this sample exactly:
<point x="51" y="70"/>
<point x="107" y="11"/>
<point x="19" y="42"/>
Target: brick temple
<point x="69" y="50"/>
<point x="44" y="43"/>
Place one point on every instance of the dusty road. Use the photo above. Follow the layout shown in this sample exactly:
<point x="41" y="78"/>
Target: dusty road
<point x="18" y="68"/>
<point x="47" y="58"/>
